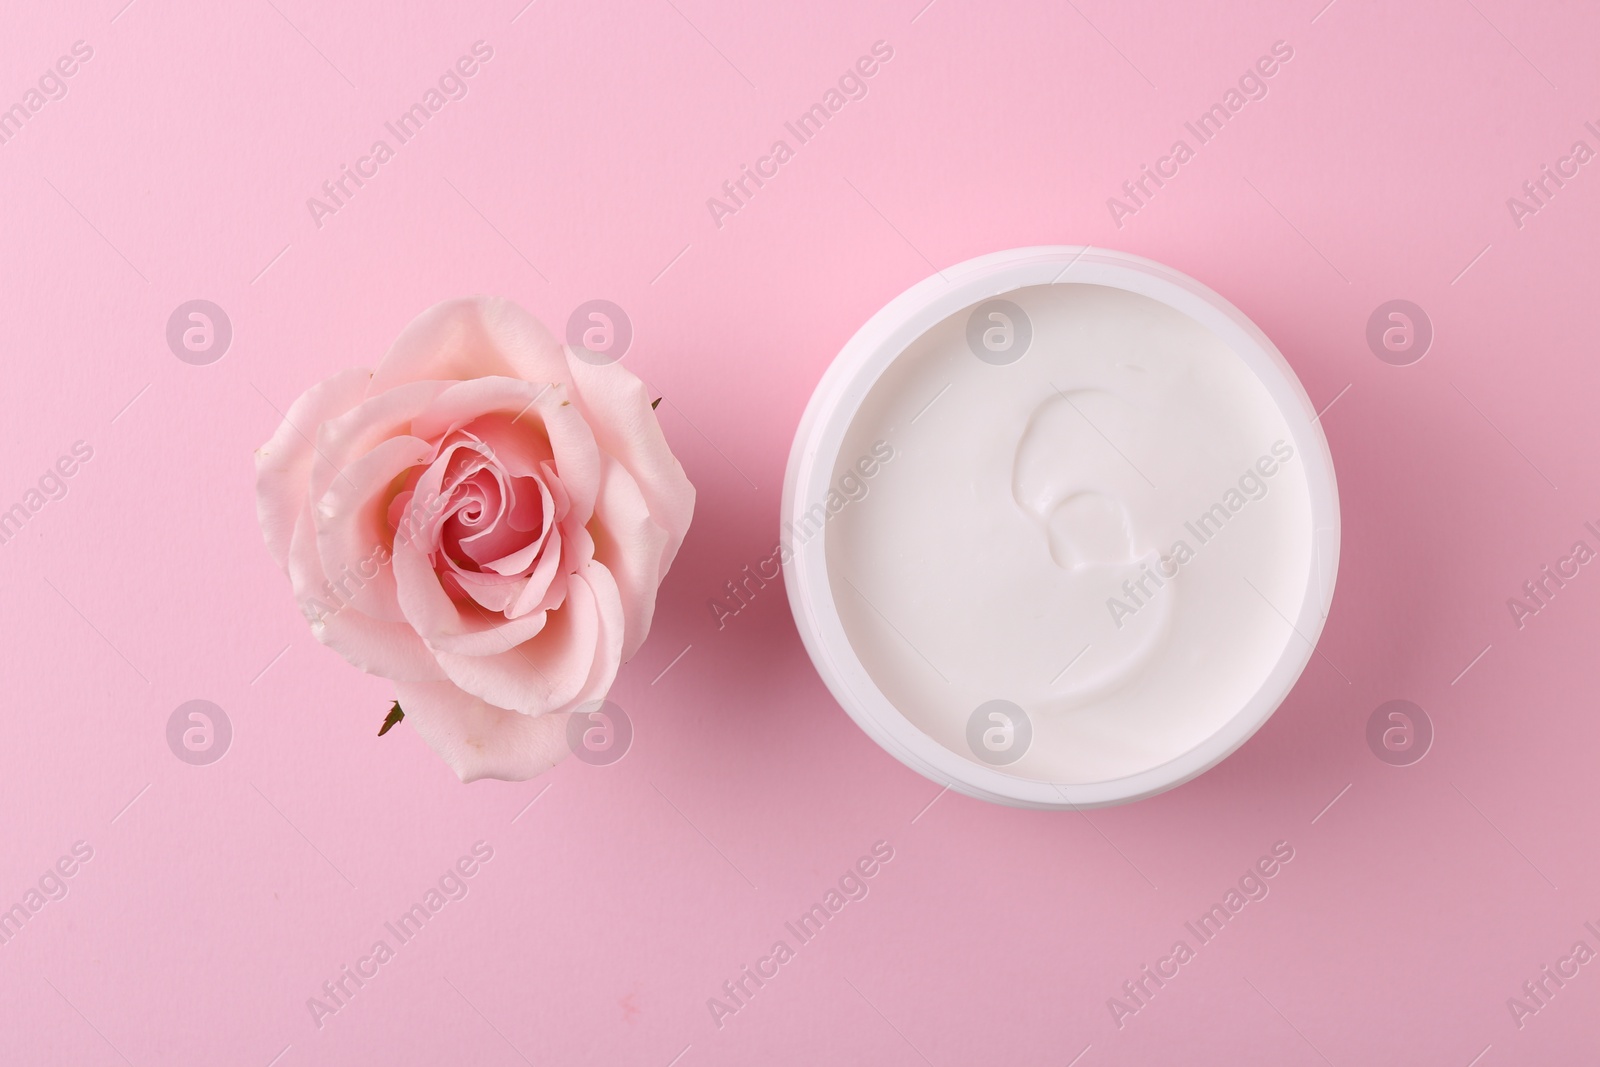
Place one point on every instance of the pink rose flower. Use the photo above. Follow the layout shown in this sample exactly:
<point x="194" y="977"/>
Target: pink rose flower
<point x="484" y="519"/>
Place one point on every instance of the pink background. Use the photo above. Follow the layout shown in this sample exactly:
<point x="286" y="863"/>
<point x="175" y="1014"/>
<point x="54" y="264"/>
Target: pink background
<point x="578" y="166"/>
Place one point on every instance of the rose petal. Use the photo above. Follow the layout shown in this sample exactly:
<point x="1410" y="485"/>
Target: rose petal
<point x="390" y="649"/>
<point x="541" y="591"/>
<point x="446" y="625"/>
<point x="630" y="543"/>
<point x="479" y="740"/>
<point x="463" y="339"/>
<point x="573" y="659"/>
<point x="352" y="521"/>
<point x="519" y="452"/>
<point x="512" y="544"/>
<point x="283" y="464"/>
<point x="490" y="591"/>
<point x="617" y="408"/>
<point x="542" y="408"/>
<point x="434" y="491"/>
<point x="344" y="439"/>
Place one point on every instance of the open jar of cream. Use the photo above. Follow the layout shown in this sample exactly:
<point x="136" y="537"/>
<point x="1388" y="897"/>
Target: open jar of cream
<point x="1061" y="528"/>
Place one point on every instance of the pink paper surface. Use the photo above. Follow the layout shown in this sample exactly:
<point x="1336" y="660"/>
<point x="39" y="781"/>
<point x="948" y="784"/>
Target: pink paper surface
<point x="619" y="899"/>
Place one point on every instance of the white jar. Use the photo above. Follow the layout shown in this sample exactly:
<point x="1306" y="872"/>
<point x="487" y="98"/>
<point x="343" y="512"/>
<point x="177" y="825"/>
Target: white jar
<point x="1061" y="528"/>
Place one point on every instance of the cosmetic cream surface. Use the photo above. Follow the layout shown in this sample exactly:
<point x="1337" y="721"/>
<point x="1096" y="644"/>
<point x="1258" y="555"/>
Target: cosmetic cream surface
<point x="1109" y="533"/>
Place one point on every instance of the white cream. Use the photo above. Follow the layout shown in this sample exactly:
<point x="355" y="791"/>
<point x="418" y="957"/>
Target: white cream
<point x="1037" y="536"/>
